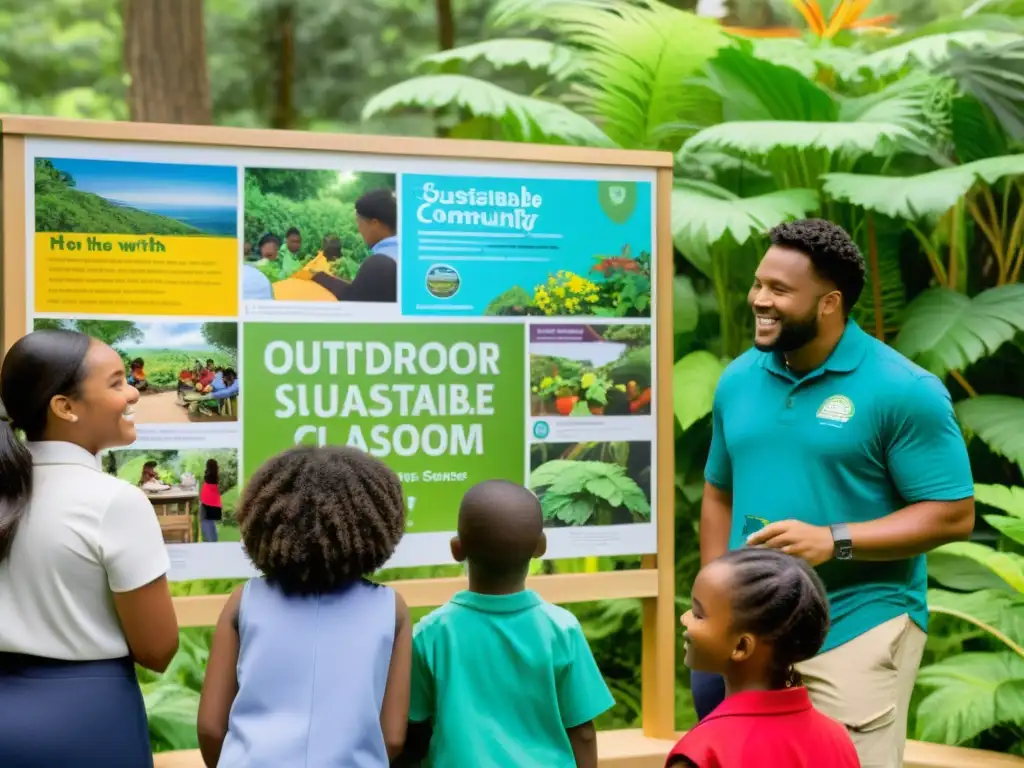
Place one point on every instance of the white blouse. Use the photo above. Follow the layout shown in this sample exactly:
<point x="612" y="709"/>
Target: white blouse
<point x="84" y="535"/>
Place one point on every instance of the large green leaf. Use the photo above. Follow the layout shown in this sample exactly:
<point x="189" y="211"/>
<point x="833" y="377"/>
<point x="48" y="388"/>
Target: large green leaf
<point x="703" y="213"/>
<point x="763" y="137"/>
<point x="945" y="330"/>
<point x="998" y="612"/>
<point x="634" y="63"/>
<point x="534" y="118"/>
<point x="998" y="421"/>
<point x="903" y="103"/>
<point x="963" y="574"/>
<point x="1008" y="566"/>
<point x="1009" y="498"/>
<point x="927" y="52"/>
<point x="970" y="693"/>
<point x="685" y="305"/>
<point x="996" y="78"/>
<point x="171" y="709"/>
<point x="555" y="60"/>
<point x="927" y="194"/>
<point x="755" y="89"/>
<point x="694" y="378"/>
<point x="534" y="14"/>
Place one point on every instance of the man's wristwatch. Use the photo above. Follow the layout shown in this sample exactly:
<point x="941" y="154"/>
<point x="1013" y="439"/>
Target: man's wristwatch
<point x="842" y="548"/>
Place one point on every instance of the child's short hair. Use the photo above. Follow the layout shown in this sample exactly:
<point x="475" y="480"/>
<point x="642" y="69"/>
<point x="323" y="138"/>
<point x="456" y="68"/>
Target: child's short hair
<point x="781" y="600"/>
<point x="312" y="519"/>
<point x="500" y="526"/>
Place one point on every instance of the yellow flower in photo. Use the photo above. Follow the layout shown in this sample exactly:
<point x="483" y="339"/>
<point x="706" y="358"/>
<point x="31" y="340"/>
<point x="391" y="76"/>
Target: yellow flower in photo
<point x="587" y="381"/>
<point x="546" y="382"/>
<point x="559" y="292"/>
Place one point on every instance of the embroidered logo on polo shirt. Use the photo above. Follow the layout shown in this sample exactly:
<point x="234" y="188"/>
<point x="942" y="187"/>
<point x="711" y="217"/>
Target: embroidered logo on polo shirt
<point x="836" y="408"/>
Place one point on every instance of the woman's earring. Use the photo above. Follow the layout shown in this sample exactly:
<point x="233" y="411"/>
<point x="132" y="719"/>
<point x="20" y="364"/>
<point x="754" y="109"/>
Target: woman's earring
<point x="72" y="418"/>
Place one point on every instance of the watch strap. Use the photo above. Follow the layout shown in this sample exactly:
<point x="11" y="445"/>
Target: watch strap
<point x="842" y="543"/>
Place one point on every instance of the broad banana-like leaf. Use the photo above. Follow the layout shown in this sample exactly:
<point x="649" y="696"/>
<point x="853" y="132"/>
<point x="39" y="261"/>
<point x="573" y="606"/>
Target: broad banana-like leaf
<point x="535" y="118"/>
<point x="534" y="14"/>
<point x="998" y="612"/>
<point x="945" y="330"/>
<point x="703" y="213"/>
<point x="925" y="195"/>
<point x="995" y="77"/>
<point x="542" y="55"/>
<point x="927" y="52"/>
<point x="1008" y="498"/>
<point x="1008" y="566"/>
<point x="970" y="693"/>
<point x="634" y="64"/>
<point x="763" y="137"/>
<point x="694" y="378"/>
<point x="903" y="103"/>
<point x="998" y="421"/>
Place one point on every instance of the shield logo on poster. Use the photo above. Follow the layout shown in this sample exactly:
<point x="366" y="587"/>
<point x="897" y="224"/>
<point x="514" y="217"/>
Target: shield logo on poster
<point x="618" y="199"/>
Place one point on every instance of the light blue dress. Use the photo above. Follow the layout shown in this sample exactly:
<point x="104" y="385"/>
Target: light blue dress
<point x="311" y="678"/>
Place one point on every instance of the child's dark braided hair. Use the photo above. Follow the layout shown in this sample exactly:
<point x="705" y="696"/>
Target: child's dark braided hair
<point x="312" y="519"/>
<point x="781" y="600"/>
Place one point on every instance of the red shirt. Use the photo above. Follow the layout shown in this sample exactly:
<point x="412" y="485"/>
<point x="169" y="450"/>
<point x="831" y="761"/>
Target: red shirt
<point x="767" y="729"/>
<point x="209" y="495"/>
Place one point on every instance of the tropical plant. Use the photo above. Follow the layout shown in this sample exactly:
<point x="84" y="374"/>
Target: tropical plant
<point x="981" y="688"/>
<point x="587" y="492"/>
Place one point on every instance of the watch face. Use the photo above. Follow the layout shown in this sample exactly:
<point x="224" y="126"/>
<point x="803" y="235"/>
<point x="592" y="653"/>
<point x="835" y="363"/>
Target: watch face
<point x="845" y="552"/>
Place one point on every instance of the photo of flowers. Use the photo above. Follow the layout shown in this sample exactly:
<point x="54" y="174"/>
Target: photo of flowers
<point x="616" y="286"/>
<point x="592" y="483"/>
<point x="590" y="370"/>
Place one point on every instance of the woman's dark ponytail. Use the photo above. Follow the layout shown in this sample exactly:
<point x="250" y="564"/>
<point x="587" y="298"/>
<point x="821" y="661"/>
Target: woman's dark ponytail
<point x="38" y="368"/>
<point x="16" y="485"/>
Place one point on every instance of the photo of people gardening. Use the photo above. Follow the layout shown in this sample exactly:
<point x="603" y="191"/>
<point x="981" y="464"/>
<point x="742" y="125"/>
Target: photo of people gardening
<point x="592" y="483"/>
<point x="194" y="493"/>
<point x="590" y="370"/>
<point x="313" y="235"/>
<point x="185" y="372"/>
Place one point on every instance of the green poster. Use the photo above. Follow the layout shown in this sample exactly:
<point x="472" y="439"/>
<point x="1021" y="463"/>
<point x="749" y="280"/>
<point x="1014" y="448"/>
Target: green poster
<point x="441" y="404"/>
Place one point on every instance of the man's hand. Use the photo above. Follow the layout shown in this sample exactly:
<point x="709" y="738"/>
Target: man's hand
<point x="812" y="543"/>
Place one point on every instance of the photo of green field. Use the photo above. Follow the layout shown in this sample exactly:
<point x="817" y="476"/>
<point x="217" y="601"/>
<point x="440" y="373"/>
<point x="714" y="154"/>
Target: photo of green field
<point x="185" y="372"/>
<point x="132" y="198"/>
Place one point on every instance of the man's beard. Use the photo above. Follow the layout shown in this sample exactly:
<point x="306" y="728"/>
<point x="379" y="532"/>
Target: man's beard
<point x="793" y="334"/>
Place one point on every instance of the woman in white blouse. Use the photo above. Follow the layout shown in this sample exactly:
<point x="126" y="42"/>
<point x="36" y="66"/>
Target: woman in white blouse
<point x="83" y="585"/>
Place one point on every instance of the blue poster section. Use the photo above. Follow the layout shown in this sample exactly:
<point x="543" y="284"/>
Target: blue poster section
<point x="475" y="246"/>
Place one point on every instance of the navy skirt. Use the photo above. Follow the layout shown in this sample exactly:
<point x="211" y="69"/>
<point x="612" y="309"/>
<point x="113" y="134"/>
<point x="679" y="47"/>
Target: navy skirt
<point x="79" y="714"/>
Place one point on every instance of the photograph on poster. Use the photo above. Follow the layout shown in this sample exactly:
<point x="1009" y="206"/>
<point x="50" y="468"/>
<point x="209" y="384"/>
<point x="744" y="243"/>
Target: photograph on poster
<point x="441" y="404"/>
<point x="194" y="492"/>
<point x="590" y="370"/>
<point x="533" y="247"/>
<point x="318" y="235"/>
<point x="185" y="372"/>
<point x="117" y="237"/>
<point x="593" y="483"/>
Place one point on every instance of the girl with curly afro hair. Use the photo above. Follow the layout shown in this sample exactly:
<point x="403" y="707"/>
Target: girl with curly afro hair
<point x="310" y="663"/>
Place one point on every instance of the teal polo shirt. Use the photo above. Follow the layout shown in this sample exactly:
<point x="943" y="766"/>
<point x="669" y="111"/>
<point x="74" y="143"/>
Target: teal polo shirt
<point x="866" y="434"/>
<point x="502" y="677"/>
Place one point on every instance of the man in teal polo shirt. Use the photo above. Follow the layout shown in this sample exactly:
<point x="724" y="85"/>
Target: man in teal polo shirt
<point x="833" y="447"/>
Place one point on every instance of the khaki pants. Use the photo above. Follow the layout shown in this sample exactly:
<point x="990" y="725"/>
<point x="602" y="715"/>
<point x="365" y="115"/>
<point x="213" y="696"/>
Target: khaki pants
<point x="866" y="685"/>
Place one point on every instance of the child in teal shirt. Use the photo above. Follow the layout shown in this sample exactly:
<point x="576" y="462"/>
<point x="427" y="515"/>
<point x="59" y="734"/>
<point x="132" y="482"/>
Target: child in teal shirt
<point x="499" y="676"/>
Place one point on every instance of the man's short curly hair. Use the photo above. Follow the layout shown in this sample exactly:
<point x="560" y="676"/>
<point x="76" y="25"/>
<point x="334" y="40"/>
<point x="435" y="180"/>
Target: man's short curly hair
<point x="832" y="251"/>
<point x="312" y="519"/>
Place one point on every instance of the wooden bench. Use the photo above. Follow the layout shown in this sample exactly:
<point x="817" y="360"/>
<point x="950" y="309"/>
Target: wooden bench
<point x="631" y="749"/>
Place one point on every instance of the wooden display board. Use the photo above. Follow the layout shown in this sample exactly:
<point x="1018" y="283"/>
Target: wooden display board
<point x="25" y="140"/>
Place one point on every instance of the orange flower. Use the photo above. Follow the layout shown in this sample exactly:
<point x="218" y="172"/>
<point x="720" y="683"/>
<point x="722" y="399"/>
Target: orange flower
<point x="847" y="16"/>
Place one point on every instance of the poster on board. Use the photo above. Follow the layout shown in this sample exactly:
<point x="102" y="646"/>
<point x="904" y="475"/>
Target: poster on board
<point x="460" y="320"/>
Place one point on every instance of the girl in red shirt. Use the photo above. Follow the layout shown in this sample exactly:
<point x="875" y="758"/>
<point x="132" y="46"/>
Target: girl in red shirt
<point x="756" y="613"/>
<point x="210" y="505"/>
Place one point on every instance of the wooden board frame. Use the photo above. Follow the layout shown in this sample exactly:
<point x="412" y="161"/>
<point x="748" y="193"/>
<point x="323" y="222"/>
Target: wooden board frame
<point x="653" y="584"/>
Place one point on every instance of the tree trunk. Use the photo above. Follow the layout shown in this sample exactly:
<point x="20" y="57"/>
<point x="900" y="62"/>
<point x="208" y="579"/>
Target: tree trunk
<point x="165" y="57"/>
<point x="445" y="25"/>
<point x="282" y="115"/>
